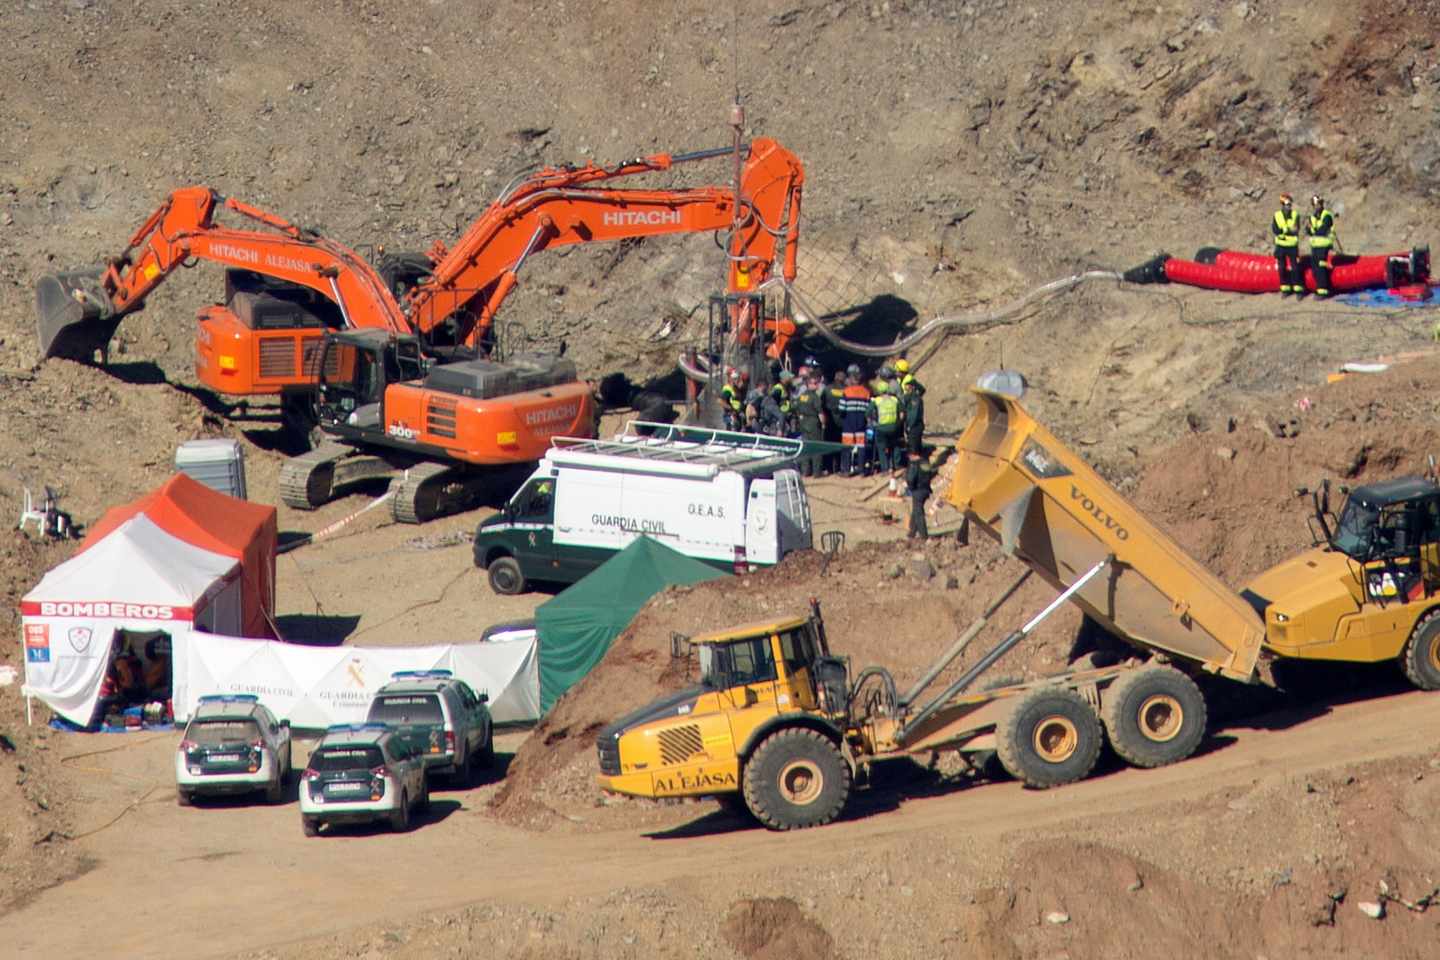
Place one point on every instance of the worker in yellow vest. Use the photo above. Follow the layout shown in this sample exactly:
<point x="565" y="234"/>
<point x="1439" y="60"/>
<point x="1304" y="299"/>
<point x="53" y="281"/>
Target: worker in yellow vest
<point x="732" y="400"/>
<point x="1323" y="239"/>
<point x="885" y="412"/>
<point x="1285" y="227"/>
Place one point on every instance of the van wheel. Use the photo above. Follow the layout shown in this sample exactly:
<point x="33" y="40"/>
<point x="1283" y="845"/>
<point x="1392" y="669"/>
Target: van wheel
<point x="1422" y="654"/>
<point x="796" y="778"/>
<point x="400" y="816"/>
<point x="505" y="576"/>
<point x="1050" y="737"/>
<point x="1154" y="716"/>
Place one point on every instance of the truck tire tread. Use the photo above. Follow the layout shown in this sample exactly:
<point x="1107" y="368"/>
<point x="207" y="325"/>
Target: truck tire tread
<point x="1120" y="706"/>
<point x="1017" y="733"/>
<point x="1421" y="659"/>
<point x="779" y="751"/>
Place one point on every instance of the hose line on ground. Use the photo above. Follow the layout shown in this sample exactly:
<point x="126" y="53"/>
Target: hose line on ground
<point x="978" y="320"/>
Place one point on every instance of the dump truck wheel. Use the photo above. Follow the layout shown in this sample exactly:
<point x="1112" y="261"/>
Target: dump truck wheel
<point x="1154" y="716"/>
<point x="1422" y="654"/>
<point x="796" y="778"/>
<point x="1050" y="737"/>
<point x="505" y="576"/>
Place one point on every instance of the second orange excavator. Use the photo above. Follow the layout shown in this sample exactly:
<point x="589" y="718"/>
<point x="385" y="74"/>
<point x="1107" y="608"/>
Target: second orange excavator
<point x="407" y="380"/>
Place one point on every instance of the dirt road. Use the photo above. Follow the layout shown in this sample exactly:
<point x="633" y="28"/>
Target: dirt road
<point x="229" y="877"/>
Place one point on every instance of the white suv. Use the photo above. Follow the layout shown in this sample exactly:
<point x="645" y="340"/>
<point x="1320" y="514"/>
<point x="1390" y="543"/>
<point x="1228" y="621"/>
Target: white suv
<point x="232" y="744"/>
<point x="360" y="772"/>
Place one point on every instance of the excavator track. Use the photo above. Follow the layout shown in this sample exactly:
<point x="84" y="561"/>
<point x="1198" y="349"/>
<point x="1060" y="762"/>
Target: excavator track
<point x="313" y="479"/>
<point x="430" y="490"/>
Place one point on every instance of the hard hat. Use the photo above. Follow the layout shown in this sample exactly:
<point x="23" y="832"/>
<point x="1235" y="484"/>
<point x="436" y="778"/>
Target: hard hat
<point x="908" y="379"/>
<point x="902" y="366"/>
<point x="1317" y="201"/>
<point x="854" y="369"/>
<point x="1285" y="198"/>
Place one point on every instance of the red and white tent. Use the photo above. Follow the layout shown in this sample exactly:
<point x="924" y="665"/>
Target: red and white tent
<point x="183" y="557"/>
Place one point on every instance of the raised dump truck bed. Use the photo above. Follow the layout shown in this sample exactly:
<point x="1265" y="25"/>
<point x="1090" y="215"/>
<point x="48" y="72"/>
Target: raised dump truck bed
<point x="1047" y="508"/>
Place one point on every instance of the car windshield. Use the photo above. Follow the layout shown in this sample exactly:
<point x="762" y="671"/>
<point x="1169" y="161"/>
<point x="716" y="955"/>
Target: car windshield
<point x="739" y="662"/>
<point x="339" y="759"/>
<point x="1355" y="529"/>
<point x="209" y="733"/>
<point x="398" y="709"/>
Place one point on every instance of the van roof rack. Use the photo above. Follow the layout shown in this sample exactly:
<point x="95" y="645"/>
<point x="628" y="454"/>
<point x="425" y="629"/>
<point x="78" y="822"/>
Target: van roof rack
<point x="702" y="447"/>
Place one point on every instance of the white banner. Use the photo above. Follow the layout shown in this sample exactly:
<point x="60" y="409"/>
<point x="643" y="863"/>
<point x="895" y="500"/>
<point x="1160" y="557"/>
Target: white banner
<point x="314" y="687"/>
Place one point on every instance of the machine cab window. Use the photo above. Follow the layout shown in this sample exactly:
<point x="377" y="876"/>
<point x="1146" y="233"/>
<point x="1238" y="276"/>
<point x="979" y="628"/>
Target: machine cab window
<point x="797" y="650"/>
<point x="738" y="663"/>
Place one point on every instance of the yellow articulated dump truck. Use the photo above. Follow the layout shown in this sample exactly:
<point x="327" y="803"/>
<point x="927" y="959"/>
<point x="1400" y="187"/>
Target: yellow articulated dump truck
<point x="779" y="721"/>
<point x="1367" y="591"/>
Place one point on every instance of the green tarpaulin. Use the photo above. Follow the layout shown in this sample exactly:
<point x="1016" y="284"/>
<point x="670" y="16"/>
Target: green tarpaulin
<point x="578" y="626"/>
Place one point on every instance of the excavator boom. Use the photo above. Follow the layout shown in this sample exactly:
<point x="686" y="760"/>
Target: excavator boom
<point x="559" y="206"/>
<point x="78" y="312"/>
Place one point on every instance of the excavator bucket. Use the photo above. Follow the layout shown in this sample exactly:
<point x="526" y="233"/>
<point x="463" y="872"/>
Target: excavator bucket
<point x="74" y="315"/>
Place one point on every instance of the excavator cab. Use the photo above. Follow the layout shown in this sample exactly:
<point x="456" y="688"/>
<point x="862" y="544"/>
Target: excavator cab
<point x="355" y="369"/>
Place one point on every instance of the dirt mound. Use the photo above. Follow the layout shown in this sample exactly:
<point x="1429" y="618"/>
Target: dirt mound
<point x="35" y="851"/>
<point x="1181" y="888"/>
<point x="1227" y="492"/>
<point x="775" y="928"/>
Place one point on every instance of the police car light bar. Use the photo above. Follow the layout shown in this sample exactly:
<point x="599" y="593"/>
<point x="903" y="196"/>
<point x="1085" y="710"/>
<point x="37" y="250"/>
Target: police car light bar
<point x="230" y="698"/>
<point x="436" y="673"/>
<point x="357" y="727"/>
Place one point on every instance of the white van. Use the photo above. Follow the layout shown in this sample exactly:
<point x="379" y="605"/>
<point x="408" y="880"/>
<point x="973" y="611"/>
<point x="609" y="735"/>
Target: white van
<point x="729" y="499"/>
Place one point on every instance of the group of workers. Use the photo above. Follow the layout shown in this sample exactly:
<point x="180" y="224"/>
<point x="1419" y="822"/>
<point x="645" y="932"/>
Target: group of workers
<point x="1285" y="228"/>
<point x="874" y="419"/>
<point x="880" y="422"/>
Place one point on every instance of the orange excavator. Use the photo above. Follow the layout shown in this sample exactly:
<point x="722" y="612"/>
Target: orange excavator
<point x="406" y="380"/>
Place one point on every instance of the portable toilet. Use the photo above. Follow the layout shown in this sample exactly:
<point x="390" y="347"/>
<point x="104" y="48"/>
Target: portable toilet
<point x="219" y="464"/>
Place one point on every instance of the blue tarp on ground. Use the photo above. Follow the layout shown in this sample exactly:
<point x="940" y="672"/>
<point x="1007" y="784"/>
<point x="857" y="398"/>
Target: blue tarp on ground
<point x="1384" y="300"/>
<point x="578" y="626"/>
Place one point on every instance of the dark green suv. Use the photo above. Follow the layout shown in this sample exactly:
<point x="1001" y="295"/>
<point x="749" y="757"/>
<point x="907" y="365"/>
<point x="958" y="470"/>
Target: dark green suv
<point x="440" y="717"/>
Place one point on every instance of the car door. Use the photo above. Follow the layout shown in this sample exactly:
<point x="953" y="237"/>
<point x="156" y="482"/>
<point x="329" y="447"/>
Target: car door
<point x="276" y="739"/>
<point x="474" y="729"/>
<point x="532" y="520"/>
<point x="415" y="764"/>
